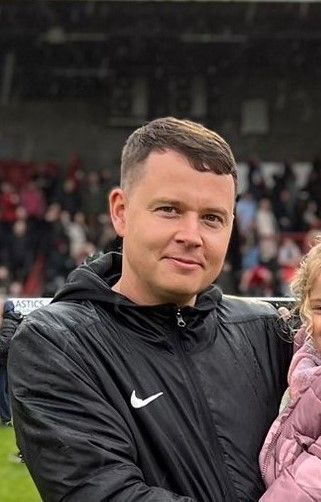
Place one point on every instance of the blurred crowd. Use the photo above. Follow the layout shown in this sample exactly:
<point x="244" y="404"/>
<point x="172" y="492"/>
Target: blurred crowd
<point x="51" y="220"/>
<point x="275" y="225"/>
<point x="49" y="223"/>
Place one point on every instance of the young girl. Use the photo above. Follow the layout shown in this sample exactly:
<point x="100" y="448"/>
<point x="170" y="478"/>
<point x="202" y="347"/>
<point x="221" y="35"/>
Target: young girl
<point x="290" y="459"/>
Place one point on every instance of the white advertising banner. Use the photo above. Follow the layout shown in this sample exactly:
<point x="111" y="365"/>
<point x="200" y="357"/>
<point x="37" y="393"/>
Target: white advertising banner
<point x="26" y="305"/>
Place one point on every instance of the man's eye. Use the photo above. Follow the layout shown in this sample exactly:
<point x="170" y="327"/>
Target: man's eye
<point x="167" y="209"/>
<point x="213" y="219"/>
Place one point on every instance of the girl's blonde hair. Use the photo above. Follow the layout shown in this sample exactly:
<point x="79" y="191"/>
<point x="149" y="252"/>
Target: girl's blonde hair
<point x="303" y="282"/>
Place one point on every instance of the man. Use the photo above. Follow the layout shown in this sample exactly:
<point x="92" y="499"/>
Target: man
<point x="141" y="382"/>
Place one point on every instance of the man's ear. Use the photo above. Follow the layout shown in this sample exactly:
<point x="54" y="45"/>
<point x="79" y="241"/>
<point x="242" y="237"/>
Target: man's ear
<point x="117" y="204"/>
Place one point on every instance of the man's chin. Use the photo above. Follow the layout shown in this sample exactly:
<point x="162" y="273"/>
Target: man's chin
<point x="182" y="296"/>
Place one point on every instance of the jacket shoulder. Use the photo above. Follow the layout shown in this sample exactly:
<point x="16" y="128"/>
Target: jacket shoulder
<point x="63" y="315"/>
<point x="237" y="309"/>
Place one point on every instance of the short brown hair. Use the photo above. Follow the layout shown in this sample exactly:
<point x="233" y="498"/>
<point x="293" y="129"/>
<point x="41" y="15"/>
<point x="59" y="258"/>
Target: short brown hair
<point x="205" y="149"/>
<point x="303" y="282"/>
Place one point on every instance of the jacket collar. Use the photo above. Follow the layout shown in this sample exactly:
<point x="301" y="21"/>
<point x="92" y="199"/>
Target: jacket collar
<point x="154" y="324"/>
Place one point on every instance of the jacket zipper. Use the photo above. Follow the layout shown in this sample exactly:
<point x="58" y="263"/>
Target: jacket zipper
<point x="179" y="318"/>
<point x="228" y="490"/>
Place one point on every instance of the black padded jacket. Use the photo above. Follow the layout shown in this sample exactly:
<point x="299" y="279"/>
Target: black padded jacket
<point x="118" y="402"/>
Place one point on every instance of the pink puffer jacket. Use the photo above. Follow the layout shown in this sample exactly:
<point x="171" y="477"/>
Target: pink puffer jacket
<point x="290" y="459"/>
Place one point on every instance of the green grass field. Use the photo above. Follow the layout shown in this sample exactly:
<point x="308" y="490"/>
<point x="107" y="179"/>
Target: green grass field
<point x="16" y="484"/>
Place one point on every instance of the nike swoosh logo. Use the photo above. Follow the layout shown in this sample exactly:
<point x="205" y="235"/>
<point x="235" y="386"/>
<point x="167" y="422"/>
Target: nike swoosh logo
<point x="136" y="402"/>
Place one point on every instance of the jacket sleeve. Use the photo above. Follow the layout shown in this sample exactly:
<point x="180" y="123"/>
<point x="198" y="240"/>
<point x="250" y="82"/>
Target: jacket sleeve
<point x="295" y="466"/>
<point x="77" y="446"/>
<point x="10" y="323"/>
<point x="301" y="481"/>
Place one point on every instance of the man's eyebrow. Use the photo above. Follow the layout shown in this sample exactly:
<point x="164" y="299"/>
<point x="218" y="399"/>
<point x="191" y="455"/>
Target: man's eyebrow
<point x="166" y="200"/>
<point x="216" y="209"/>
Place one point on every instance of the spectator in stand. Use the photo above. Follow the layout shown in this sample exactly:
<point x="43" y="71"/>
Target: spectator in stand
<point x="107" y="179"/>
<point x="288" y="177"/>
<point x="229" y="278"/>
<point x="58" y="265"/>
<point x="245" y="223"/>
<point x="9" y="201"/>
<point x="93" y="202"/>
<point x="74" y="169"/>
<point x="54" y="230"/>
<point x="69" y="197"/>
<point x="33" y="201"/>
<point x="313" y="185"/>
<point x="256" y="181"/>
<point x="267" y="231"/>
<point x="46" y="176"/>
<point x="310" y="217"/>
<point x="5" y="279"/>
<point x="268" y="235"/>
<point x="106" y="235"/>
<point x="283" y="210"/>
<point x="289" y="257"/>
<point x="75" y="228"/>
<point x="246" y="208"/>
<point x="20" y="252"/>
<point x="300" y="206"/>
<point x="93" y="197"/>
<point x="15" y="289"/>
<point x="250" y="252"/>
<point x="257" y="281"/>
<point x="285" y="180"/>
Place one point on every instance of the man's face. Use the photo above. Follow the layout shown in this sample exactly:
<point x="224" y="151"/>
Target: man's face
<point x="315" y="302"/>
<point x="176" y="223"/>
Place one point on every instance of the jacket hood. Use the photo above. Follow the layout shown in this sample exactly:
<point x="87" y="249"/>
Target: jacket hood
<point x="93" y="281"/>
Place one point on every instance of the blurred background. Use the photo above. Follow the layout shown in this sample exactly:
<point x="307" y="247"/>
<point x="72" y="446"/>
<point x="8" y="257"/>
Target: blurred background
<point x="76" y="77"/>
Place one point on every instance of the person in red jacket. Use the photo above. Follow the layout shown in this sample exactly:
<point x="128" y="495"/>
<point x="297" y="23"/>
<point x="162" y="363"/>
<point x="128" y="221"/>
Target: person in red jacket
<point x="291" y="456"/>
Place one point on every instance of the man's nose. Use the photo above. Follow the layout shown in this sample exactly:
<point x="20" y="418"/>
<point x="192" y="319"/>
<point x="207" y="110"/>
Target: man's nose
<point x="189" y="231"/>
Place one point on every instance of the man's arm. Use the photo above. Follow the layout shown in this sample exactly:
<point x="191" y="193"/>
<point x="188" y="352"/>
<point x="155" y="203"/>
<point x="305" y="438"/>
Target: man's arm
<point x="76" y="445"/>
<point x="9" y="321"/>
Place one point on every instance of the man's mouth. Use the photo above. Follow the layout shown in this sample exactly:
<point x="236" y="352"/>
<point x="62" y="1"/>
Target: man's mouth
<point x="184" y="261"/>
